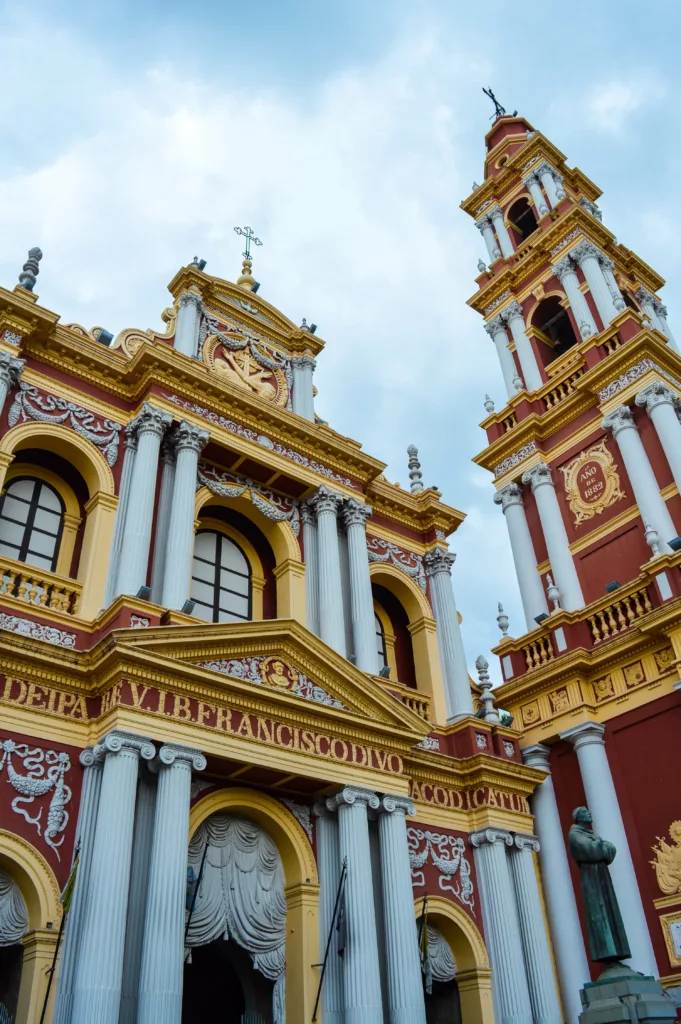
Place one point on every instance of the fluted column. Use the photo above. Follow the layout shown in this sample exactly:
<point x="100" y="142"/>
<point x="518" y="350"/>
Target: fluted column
<point x="361" y="975"/>
<point x="329" y="867"/>
<point x="132" y="570"/>
<point x="646" y="300"/>
<point x="331" y="623"/>
<point x="538" y="964"/>
<point x="601" y="798"/>
<point x="11" y="370"/>
<point x="484" y="226"/>
<point x="405" y="984"/>
<point x="651" y="504"/>
<point x="523" y="345"/>
<point x="165" y="502"/>
<point x="130" y="450"/>
<point x="303" y="395"/>
<point x="92" y="762"/>
<point x="561" y="906"/>
<point x="531" y="590"/>
<point x="189" y="440"/>
<point x="505" y="242"/>
<point x="552" y="182"/>
<point x="588" y="257"/>
<point x="459" y="698"/>
<point x="608" y="268"/>
<point x="355" y="516"/>
<point x="502" y="929"/>
<point x="567" y="275"/>
<point x="661" y="314"/>
<point x="187" y="326"/>
<point x="160" y="992"/>
<point x="310" y="543"/>
<point x="555" y="535"/>
<point x="97" y="988"/>
<point x="496" y="329"/>
<point x="531" y="183"/>
<point x="658" y="400"/>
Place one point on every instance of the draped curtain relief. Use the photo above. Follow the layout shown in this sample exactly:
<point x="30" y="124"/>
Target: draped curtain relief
<point x="13" y="912"/>
<point x="442" y="962"/>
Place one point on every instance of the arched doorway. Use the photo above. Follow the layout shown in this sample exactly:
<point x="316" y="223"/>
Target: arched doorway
<point x="443" y="1005"/>
<point x="222" y="984"/>
<point x="13" y="927"/>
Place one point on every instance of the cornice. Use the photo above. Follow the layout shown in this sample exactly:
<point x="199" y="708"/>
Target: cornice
<point x="419" y="512"/>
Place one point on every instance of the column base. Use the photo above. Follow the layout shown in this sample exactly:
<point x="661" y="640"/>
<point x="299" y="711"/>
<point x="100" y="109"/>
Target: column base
<point x="622" y="995"/>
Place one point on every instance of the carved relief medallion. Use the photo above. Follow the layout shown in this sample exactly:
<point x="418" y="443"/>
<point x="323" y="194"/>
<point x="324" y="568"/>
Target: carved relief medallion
<point x="250" y="368"/>
<point x="592" y="482"/>
<point x="277" y="674"/>
<point x="667" y="861"/>
<point x="603" y="688"/>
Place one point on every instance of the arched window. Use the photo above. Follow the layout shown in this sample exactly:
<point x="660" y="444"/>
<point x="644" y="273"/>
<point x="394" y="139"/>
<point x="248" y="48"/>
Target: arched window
<point x="221" y="579"/>
<point x="522" y="219"/>
<point x="380" y="643"/>
<point x="554" y="322"/>
<point x="31" y="522"/>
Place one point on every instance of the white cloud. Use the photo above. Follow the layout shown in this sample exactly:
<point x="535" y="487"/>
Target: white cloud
<point x="610" y="107"/>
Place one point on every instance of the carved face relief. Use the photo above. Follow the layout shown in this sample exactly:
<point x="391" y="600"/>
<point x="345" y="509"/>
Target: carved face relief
<point x="603" y="688"/>
<point x="664" y="659"/>
<point x="592" y="482"/>
<point x="278" y="675"/>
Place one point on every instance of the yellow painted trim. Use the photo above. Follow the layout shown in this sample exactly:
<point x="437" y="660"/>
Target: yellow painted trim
<point x="35" y="879"/>
<point x="56" y="438"/>
<point x="254" y="560"/>
<point x="94" y="557"/>
<point x="39" y="946"/>
<point x="72" y="517"/>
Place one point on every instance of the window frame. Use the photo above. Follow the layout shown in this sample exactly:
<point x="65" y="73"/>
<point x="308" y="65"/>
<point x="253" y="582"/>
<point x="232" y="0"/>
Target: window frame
<point x="29" y="524"/>
<point x="218" y="569"/>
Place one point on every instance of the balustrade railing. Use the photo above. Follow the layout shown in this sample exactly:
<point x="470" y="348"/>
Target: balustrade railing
<point x="619" y="615"/>
<point x="38" y="587"/>
<point x="538" y="652"/>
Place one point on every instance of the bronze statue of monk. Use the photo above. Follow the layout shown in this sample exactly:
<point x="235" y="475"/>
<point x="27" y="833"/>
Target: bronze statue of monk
<point x="607" y="938"/>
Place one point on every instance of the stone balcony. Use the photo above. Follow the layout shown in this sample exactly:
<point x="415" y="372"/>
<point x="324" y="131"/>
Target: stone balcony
<point x="27" y="585"/>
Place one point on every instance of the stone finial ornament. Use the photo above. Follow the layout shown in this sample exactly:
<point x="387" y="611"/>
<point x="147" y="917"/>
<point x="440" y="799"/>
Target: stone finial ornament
<point x="652" y="538"/>
<point x="482" y="266"/>
<point x="502" y="620"/>
<point x="553" y="593"/>
<point x="518" y="382"/>
<point x="491" y="714"/>
<point x="415" y="474"/>
<point x="489" y="404"/>
<point x="30" y="270"/>
<point x="475" y="187"/>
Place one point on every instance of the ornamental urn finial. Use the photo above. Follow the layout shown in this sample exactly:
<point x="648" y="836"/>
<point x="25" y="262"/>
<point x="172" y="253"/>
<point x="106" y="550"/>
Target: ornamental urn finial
<point x="415" y="474"/>
<point x="652" y="538"/>
<point x="518" y="382"/>
<point x="30" y="270"/>
<point x="491" y="714"/>
<point x="502" y="620"/>
<point x="489" y="404"/>
<point x="553" y="593"/>
<point x="482" y="266"/>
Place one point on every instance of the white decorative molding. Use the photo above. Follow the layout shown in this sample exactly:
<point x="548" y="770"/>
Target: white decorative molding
<point x="251" y="670"/>
<point x="45" y="771"/>
<point x="534" y="158"/>
<point x="483" y="207"/>
<point x="38" y="631"/>
<point x="497" y="301"/>
<point x="11" y="337"/>
<point x="633" y="374"/>
<point x="198" y="786"/>
<point x="385" y="551"/>
<point x="302" y="813"/>
<point x="31" y="404"/>
<point x="139" y="622"/>
<point x="277" y="507"/>
<point x="517" y="457"/>
<point x="429" y="743"/>
<point x="448" y="854"/>
<point x="566" y="241"/>
<point x="261" y="439"/>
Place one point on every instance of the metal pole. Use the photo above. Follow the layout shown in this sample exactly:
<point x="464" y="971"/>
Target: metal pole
<point x="341" y="883"/>
<point x="196" y="892"/>
<point x="54" y="964"/>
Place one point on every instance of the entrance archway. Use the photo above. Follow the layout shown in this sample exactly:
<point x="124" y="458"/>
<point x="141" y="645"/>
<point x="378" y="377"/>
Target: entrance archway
<point x="222" y="984"/>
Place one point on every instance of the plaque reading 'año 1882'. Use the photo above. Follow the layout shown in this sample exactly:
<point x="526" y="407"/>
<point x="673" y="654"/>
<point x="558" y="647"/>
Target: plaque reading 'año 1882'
<point x="592" y="482"/>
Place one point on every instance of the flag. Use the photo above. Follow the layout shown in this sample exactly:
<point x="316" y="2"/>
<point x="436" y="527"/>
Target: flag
<point x="67" y="894"/>
<point x="341" y="925"/>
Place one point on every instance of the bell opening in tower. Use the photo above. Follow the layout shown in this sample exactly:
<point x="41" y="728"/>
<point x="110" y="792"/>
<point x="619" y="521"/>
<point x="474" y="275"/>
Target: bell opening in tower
<point x="554" y="329"/>
<point x="522" y="220"/>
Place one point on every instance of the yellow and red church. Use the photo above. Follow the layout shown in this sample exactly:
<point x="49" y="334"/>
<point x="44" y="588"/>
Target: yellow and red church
<point x="238" y="731"/>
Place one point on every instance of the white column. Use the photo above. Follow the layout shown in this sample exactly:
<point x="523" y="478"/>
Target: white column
<point x="608" y="268"/>
<point x="160" y="992"/>
<point x="137" y="895"/>
<point x="85" y="837"/>
<point x="496" y="329"/>
<point x="165" y="502"/>
<point x="658" y="400"/>
<point x="11" y="370"/>
<point x="531" y="183"/>
<point x="187" y="326"/>
<point x="547" y="176"/>
<point x="528" y="360"/>
<point x="310" y="542"/>
<point x="458" y="694"/>
<point x="132" y="568"/>
<point x="561" y="906"/>
<point x="601" y="798"/>
<point x="130" y="449"/>
<point x="188" y="440"/>
<point x="646" y="300"/>
<point x="502" y="231"/>
<point x="538" y="963"/>
<point x="406" y="1003"/>
<point x="502" y="929"/>
<point x="553" y="528"/>
<point x="97" y="988"/>
<point x="651" y="504"/>
<point x="331" y="624"/>
<point x="566" y="274"/>
<point x="303" y="395"/>
<point x="355" y="516"/>
<point x="329" y="866"/>
<point x="661" y="314"/>
<point x="588" y="257"/>
<point x="484" y="226"/>
<point x="531" y="590"/>
<point x="361" y="973"/>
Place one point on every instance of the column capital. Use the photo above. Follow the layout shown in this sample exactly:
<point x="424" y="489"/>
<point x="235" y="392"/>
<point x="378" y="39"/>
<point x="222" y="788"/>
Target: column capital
<point x="355" y="513"/>
<point x="92" y="757"/>
<point x="173" y="753"/>
<point x="397" y="804"/>
<point x="514" y="311"/>
<point x="321" y="808"/>
<point x="191" y="298"/>
<point x="438" y="560"/>
<point x="538" y="476"/>
<point x="116" y="741"/>
<point x="511" y="494"/>
<point x="545" y="168"/>
<point x="484" y="222"/>
<point x="656" y="394"/>
<point x="150" y="420"/>
<point x="530" y="177"/>
<point x="496" y="325"/>
<point x="619" y="419"/>
<point x="307" y="514"/>
<point x="642" y="295"/>
<point x="585" y="250"/>
<point x="591" y="208"/>
<point x="189" y="436"/>
<point x="167" y="451"/>
<point x="563" y="267"/>
<point x="304" y="362"/>
<point x="11" y="369"/>
<point x="495" y="211"/>
<point x="537" y="756"/>
<point x="584" y="735"/>
<point x="326" y="500"/>
<point x="522" y="841"/>
<point x="490" y="837"/>
<point x="350" y="795"/>
<point x="659" y="307"/>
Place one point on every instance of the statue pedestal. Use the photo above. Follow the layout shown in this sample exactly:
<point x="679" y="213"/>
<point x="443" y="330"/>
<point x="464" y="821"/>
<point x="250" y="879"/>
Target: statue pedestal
<point x="622" y="995"/>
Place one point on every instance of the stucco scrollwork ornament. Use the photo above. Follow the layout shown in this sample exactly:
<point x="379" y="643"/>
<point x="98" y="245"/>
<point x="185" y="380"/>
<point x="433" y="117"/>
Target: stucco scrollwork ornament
<point x="592" y="482"/>
<point x="497" y="302"/>
<point x="11" y="337"/>
<point x="428" y="743"/>
<point x="31" y="404"/>
<point x="385" y="551"/>
<point x="667" y="861"/>
<point x="276" y="673"/>
<point x="45" y="771"/>
<point x="516" y="458"/>
<point x="131" y="339"/>
<point x="277" y="507"/>
<point x="448" y="854"/>
<point x="37" y="630"/>
<point x="302" y="813"/>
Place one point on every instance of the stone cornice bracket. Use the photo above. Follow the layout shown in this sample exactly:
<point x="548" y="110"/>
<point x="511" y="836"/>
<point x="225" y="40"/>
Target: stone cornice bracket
<point x="584" y="735"/>
<point x="116" y="741"/>
<point x="438" y="560"/>
<point x="538" y="755"/>
<point x="522" y="841"/>
<point x="11" y="369"/>
<point x="149" y="420"/>
<point x="619" y="419"/>
<point x="655" y="394"/>
<point x="355" y="513"/>
<point x="538" y="476"/>
<point x="189" y="436"/>
<point x="350" y="795"/>
<point x="400" y="804"/>
<point x="172" y="753"/>
<point x="489" y="837"/>
<point x="326" y="500"/>
<point x="511" y="494"/>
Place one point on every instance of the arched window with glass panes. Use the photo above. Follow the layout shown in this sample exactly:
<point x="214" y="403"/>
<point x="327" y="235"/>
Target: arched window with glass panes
<point x="31" y="522"/>
<point x="221" y="579"/>
<point x="380" y="643"/>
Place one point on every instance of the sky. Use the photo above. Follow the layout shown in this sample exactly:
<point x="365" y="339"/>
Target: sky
<point x="134" y="136"/>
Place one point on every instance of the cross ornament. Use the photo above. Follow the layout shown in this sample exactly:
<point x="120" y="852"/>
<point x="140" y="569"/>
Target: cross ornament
<point x="249" y="235"/>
